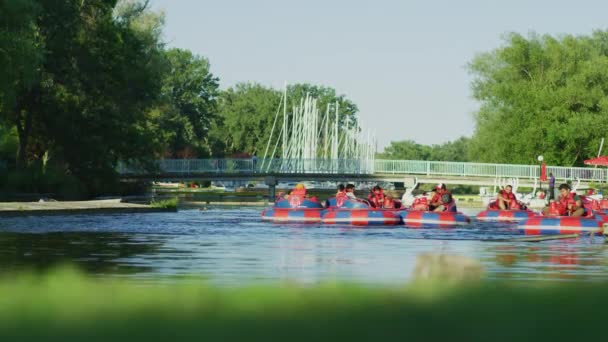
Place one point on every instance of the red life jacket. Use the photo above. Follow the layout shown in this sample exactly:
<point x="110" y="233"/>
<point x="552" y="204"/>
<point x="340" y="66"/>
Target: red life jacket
<point x="436" y="197"/>
<point x="376" y="199"/>
<point x="557" y="209"/>
<point x="508" y="196"/>
<point x="568" y="200"/>
<point x="514" y="205"/>
<point x="420" y="203"/>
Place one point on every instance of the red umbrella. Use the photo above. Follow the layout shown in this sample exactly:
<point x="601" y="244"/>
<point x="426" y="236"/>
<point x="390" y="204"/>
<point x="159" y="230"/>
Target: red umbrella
<point x="601" y="161"/>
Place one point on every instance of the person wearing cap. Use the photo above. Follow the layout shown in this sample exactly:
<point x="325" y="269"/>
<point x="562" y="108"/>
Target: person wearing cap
<point x="443" y="200"/>
<point x="299" y="190"/>
<point x="435" y="201"/>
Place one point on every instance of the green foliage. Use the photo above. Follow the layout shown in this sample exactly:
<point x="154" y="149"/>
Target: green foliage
<point x="20" y="52"/>
<point x="189" y="93"/>
<point x="248" y="111"/>
<point x="8" y="143"/>
<point x="87" y="104"/>
<point x="325" y="96"/>
<point x="541" y="95"/>
<point x="410" y="150"/>
<point x="52" y="182"/>
<point x="64" y="305"/>
<point x="170" y="203"/>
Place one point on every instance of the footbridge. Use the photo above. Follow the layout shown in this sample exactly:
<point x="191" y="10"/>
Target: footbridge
<point x="279" y="170"/>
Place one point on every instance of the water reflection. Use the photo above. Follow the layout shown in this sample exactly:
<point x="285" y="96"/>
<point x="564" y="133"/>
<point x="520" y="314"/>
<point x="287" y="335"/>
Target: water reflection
<point x="233" y="246"/>
<point x="583" y="258"/>
<point x="91" y="252"/>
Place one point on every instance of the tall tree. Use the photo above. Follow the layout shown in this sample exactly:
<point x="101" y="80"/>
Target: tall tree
<point x="541" y="96"/>
<point x="99" y="75"/>
<point x="189" y="104"/>
<point x="247" y="112"/>
<point x="21" y="52"/>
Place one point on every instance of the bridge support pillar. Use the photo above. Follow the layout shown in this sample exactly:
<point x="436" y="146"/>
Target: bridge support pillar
<point x="272" y="187"/>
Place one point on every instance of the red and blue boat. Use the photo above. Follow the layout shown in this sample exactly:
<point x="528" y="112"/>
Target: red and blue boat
<point x="551" y="225"/>
<point x="504" y="215"/>
<point x="294" y="210"/>
<point x="358" y="213"/>
<point x="361" y="217"/>
<point x="592" y="223"/>
<point x="494" y="213"/>
<point x="420" y="218"/>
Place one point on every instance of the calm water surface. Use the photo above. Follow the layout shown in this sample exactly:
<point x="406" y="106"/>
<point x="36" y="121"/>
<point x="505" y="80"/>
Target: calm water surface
<point x="233" y="246"/>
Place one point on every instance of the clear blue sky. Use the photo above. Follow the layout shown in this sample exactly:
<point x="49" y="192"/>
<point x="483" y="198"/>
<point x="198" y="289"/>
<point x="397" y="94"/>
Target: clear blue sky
<point x="402" y="62"/>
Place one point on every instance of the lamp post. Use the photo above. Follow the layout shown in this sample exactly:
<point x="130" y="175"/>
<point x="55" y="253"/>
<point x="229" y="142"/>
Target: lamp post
<point x="540" y="170"/>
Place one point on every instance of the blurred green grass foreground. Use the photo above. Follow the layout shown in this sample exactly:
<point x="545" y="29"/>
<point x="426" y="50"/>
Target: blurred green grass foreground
<point x="66" y="305"/>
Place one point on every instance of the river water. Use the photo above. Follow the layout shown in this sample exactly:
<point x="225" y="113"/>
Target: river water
<point x="232" y="246"/>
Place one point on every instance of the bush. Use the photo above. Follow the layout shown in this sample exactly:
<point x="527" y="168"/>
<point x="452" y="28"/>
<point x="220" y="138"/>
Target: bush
<point x="170" y="203"/>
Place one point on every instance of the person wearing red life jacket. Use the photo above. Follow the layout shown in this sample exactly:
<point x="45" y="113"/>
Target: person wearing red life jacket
<point x="420" y="203"/>
<point x="435" y="200"/>
<point x="376" y="197"/>
<point x="506" y="198"/>
<point x="350" y="191"/>
<point x="297" y="195"/>
<point x="299" y="190"/>
<point x="341" y="191"/>
<point x="442" y="200"/>
<point x="570" y="203"/>
<point x="389" y="203"/>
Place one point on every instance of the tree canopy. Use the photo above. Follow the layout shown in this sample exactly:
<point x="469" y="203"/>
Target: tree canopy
<point x="248" y="110"/>
<point x="189" y="107"/>
<point x="541" y="95"/>
<point x="410" y="150"/>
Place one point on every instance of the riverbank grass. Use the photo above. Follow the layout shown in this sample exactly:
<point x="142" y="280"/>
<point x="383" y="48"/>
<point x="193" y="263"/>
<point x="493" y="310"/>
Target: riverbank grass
<point x="170" y="203"/>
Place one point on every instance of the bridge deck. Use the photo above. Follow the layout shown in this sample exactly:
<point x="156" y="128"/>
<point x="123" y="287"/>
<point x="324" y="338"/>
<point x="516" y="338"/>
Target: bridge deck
<point x="355" y="170"/>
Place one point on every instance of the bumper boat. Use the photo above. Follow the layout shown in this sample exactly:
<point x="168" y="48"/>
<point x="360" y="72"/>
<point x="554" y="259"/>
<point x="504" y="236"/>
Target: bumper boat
<point x="358" y="213"/>
<point x="361" y="217"/>
<point x="504" y="215"/>
<point x="557" y="223"/>
<point x="551" y="225"/>
<point x="420" y="218"/>
<point x="294" y="210"/>
<point x="494" y="213"/>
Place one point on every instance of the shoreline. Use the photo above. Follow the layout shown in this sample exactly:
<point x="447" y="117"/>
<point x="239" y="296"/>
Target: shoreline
<point x="111" y="206"/>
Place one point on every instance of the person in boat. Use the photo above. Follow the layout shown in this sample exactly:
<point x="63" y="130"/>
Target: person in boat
<point x="350" y="191"/>
<point x="389" y="203"/>
<point x="341" y="191"/>
<point x="571" y="201"/>
<point x="506" y="199"/>
<point x="442" y="200"/>
<point x="569" y="204"/>
<point x="299" y="190"/>
<point x="376" y="197"/>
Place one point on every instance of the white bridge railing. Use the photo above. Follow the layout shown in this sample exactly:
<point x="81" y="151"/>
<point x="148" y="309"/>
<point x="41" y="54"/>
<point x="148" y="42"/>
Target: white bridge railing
<point x="351" y="166"/>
